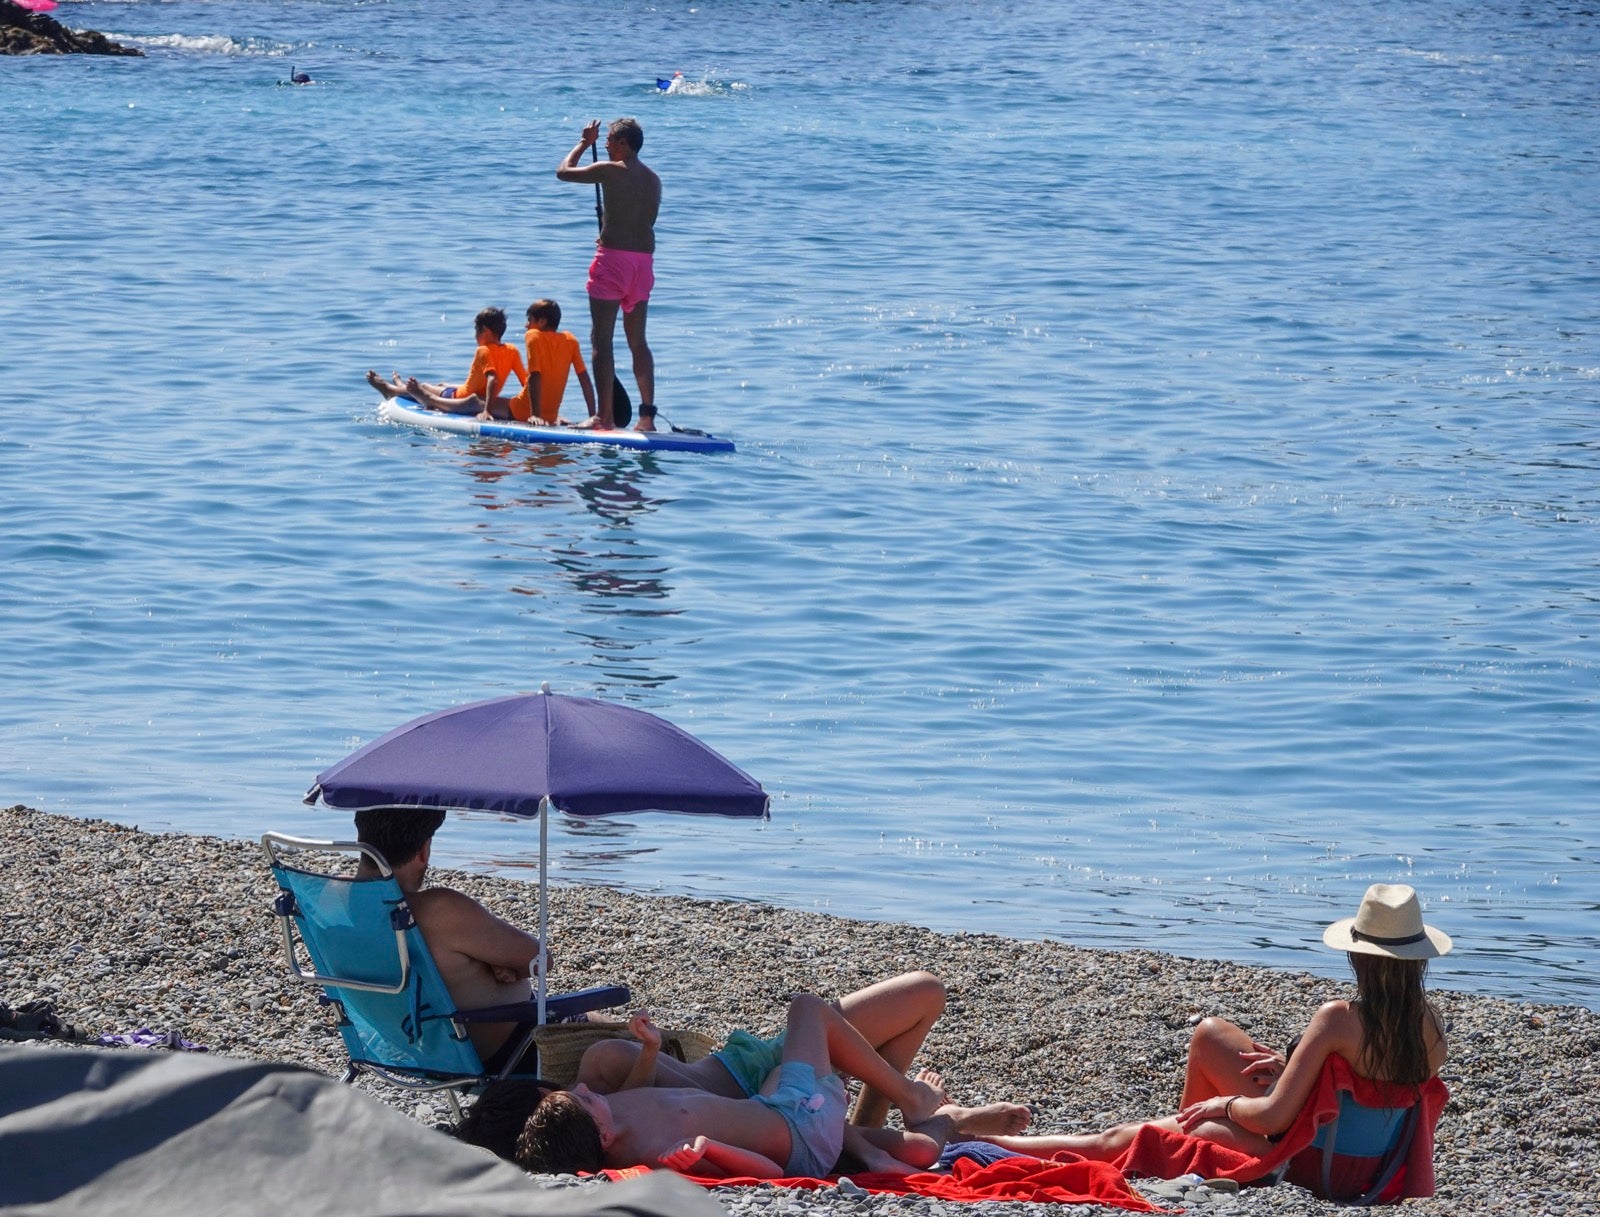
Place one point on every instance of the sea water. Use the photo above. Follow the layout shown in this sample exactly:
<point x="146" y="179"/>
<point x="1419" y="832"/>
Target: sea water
<point x="1168" y="438"/>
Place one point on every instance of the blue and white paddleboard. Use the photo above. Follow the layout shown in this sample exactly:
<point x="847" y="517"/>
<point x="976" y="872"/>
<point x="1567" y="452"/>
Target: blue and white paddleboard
<point x="404" y="410"/>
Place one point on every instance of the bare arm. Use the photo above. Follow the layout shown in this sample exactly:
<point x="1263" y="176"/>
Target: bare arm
<point x="488" y="396"/>
<point x="587" y="386"/>
<point x="719" y="1160"/>
<point x="451" y="921"/>
<point x="569" y="170"/>
<point x="643" y="1072"/>
<point x="1334" y="1029"/>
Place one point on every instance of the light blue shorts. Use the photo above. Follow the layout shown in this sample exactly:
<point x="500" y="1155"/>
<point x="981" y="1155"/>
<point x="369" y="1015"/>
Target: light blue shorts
<point x="813" y="1108"/>
<point x="750" y="1058"/>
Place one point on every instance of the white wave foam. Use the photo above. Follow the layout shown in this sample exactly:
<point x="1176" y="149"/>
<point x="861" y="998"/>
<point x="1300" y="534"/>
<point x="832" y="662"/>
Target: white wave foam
<point x="679" y="85"/>
<point x="198" y="44"/>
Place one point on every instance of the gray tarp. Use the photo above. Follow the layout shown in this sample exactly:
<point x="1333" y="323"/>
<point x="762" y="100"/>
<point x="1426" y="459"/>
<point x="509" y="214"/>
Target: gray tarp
<point x="85" y="1132"/>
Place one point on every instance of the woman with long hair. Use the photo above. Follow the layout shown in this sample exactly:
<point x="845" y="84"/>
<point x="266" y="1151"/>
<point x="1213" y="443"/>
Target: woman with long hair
<point x="1243" y="1095"/>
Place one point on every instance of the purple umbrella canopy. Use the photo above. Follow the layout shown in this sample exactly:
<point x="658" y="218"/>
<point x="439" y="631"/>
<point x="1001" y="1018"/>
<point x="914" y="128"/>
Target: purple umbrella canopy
<point x="508" y="754"/>
<point x="522" y="755"/>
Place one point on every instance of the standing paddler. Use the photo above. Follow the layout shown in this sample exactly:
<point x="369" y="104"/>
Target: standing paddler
<point x="622" y="273"/>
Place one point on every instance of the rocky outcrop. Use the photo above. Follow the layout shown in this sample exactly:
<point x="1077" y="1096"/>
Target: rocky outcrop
<point x="26" y="33"/>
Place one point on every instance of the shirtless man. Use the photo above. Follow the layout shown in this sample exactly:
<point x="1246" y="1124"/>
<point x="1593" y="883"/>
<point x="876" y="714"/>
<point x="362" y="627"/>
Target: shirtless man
<point x="891" y="1017"/>
<point x="795" y="1125"/>
<point x="622" y="273"/>
<point x="894" y="1016"/>
<point x="483" y="960"/>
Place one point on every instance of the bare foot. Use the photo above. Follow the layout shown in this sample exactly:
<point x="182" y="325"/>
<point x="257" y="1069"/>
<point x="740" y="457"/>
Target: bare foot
<point x="646" y="422"/>
<point x="999" y="1119"/>
<point x="415" y="392"/>
<point x="1005" y="1119"/>
<point x="383" y="386"/>
<point x="934" y="1080"/>
<point x="924" y="1103"/>
<point x="592" y="423"/>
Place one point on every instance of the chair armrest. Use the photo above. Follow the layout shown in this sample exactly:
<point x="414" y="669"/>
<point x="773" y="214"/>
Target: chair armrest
<point x="557" y="1006"/>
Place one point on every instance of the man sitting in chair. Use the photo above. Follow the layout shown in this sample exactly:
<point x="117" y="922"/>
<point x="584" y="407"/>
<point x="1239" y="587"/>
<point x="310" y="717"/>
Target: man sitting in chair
<point x="483" y="960"/>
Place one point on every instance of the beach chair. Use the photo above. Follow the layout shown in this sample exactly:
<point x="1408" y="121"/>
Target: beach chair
<point x="1359" y="1153"/>
<point x="357" y="939"/>
<point x="1369" y="1140"/>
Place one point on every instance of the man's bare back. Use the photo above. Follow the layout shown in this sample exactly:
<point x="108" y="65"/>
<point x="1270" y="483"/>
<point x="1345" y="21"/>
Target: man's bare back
<point x="454" y="925"/>
<point x="632" y="195"/>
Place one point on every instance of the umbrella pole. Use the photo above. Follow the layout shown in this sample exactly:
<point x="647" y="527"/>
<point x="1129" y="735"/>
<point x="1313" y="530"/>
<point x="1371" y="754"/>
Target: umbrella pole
<point x="544" y="891"/>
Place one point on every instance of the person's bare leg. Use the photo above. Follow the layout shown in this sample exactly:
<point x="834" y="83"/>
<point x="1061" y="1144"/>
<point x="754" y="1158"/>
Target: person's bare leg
<point x="894" y="1016"/>
<point x="1215" y="1066"/>
<point x="603" y="319"/>
<point x="425" y="396"/>
<point x="1002" y="1119"/>
<point x="843" y="1050"/>
<point x="644" y="364"/>
<point x="892" y="1152"/>
<point x="1106" y="1146"/>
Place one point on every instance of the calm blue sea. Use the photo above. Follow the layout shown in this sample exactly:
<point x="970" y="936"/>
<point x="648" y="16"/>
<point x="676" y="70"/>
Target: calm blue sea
<point x="1169" y="446"/>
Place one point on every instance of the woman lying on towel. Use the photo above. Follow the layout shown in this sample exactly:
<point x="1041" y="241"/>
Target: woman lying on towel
<point x="1243" y="1096"/>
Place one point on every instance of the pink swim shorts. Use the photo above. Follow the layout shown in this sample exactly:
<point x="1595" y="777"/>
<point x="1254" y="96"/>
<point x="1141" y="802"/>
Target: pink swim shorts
<point x="623" y="275"/>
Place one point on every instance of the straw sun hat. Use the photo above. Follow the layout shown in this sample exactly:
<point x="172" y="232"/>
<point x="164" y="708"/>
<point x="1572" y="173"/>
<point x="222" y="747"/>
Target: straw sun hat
<point x="1389" y="923"/>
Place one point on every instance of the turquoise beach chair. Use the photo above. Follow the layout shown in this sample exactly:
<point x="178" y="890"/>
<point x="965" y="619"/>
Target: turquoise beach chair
<point x="358" y="940"/>
<point x="1367" y="1149"/>
<point x="1360" y="1151"/>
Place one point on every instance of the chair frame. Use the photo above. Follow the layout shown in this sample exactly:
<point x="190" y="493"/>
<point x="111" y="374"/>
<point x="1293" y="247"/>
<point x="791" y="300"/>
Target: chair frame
<point x="280" y="846"/>
<point x="1389" y="1164"/>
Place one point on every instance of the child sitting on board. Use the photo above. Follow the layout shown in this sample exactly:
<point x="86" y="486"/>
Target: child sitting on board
<point x="552" y="354"/>
<point x="493" y="364"/>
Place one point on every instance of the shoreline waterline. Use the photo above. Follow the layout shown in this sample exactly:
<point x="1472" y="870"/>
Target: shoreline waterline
<point x="123" y="929"/>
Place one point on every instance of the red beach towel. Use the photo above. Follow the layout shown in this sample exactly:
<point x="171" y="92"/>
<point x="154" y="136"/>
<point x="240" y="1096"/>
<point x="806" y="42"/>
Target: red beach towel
<point x="1028" y="1179"/>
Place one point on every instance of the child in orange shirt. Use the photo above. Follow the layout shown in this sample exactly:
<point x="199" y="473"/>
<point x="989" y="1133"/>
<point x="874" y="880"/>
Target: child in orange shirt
<point x="552" y="353"/>
<point x="493" y="365"/>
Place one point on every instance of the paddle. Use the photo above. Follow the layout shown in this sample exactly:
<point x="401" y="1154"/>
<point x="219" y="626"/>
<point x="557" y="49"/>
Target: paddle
<point x="621" y="407"/>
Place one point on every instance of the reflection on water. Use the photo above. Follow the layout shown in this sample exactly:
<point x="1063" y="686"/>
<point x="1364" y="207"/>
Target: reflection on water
<point x="611" y="566"/>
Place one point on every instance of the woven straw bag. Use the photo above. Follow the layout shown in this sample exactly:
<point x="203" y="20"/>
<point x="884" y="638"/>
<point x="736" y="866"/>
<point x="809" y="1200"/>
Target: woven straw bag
<point x="562" y="1045"/>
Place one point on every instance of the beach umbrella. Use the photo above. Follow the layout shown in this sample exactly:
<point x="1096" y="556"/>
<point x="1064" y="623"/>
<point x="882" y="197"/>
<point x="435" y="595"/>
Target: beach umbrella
<point x="526" y="754"/>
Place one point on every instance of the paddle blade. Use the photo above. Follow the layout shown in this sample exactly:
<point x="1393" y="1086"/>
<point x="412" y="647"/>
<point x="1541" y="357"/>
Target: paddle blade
<point x="621" y="407"/>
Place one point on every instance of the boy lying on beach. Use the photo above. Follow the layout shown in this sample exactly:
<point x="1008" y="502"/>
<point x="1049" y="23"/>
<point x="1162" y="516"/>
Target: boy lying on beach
<point x="795" y="1126"/>
<point x="894" y="1016"/>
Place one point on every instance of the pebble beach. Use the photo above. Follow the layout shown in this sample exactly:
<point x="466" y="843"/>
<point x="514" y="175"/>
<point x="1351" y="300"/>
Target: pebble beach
<point x="123" y="930"/>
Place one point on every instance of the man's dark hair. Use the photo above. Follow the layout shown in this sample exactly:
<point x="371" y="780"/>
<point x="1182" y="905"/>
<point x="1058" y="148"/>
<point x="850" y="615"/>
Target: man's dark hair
<point x="560" y="1138"/>
<point x="631" y="132"/>
<point x="547" y="311"/>
<point x="491" y="319"/>
<point x="497" y="1118"/>
<point x="398" y="833"/>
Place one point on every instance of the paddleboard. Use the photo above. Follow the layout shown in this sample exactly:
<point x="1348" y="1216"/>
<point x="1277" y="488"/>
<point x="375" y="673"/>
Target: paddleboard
<point x="404" y="410"/>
